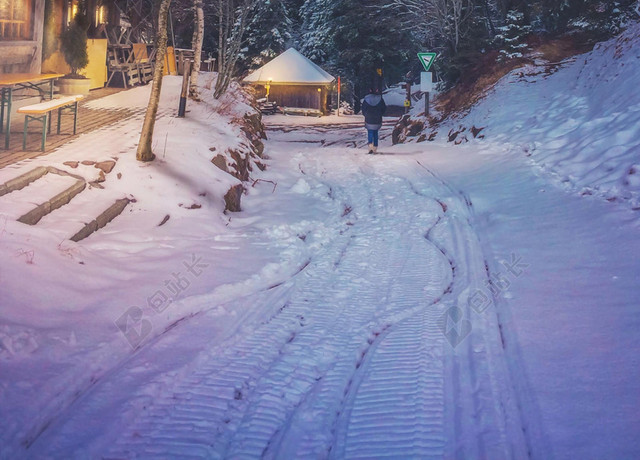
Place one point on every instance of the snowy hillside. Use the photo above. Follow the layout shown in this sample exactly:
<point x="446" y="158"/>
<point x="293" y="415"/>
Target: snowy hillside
<point x="60" y="298"/>
<point x="579" y="121"/>
<point x="433" y="301"/>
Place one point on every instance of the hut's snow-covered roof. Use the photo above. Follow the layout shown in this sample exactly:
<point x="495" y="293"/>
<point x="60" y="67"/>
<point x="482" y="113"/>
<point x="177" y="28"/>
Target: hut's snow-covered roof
<point x="290" y="67"/>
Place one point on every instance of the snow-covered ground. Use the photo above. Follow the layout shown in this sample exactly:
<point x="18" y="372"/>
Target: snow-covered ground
<point x="578" y="121"/>
<point x="435" y="301"/>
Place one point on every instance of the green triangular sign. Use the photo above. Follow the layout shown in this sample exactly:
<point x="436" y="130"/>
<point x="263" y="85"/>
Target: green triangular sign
<point x="426" y="59"/>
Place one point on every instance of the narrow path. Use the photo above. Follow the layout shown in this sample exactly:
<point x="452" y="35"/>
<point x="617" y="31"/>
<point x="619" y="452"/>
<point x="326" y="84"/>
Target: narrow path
<point x="370" y="350"/>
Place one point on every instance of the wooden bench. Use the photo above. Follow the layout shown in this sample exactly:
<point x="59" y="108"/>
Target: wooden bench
<point x="302" y="111"/>
<point x="268" y="108"/>
<point x="42" y="112"/>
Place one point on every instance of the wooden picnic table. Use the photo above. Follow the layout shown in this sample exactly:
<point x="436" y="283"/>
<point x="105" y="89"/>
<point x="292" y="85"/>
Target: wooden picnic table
<point x="41" y="82"/>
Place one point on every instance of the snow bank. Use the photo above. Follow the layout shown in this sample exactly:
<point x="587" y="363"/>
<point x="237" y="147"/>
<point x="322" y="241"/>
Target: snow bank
<point x="62" y="303"/>
<point x="43" y="272"/>
<point x="581" y="123"/>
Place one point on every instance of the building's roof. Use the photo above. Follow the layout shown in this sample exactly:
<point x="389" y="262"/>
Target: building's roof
<point x="290" y="67"/>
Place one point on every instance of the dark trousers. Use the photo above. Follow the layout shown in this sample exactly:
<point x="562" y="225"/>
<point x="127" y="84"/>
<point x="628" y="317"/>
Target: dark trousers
<point x="372" y="135"/>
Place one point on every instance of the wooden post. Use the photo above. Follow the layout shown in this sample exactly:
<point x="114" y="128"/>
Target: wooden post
<point x="338" y="96"/>
<point x="35" y="65"/>
<point x="408" y="95"/>
<point x="426" y="105"/>
<point x="185" y="88"/>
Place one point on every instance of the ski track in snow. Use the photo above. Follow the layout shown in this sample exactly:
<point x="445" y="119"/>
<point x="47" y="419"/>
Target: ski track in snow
<point x="347" y="359"/>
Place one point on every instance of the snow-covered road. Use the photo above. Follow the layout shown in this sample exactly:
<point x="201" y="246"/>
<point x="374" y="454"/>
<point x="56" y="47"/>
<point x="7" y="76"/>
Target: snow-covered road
<point x="431" y="302"/>
<point x="377" y="346"/>
<point x="436" y="301"/>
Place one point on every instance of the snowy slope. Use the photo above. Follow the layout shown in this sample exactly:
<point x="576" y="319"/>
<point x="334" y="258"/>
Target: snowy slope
<point x="60" y="300"/>
<point x="581" y="123"/>
<point x="435" y="301"/>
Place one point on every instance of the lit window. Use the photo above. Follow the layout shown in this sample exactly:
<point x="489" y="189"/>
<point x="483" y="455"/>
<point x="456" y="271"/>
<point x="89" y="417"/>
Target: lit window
<point x="101" y="14"/>
<point x="16" y="19"/>
<point x="72" y="10"/>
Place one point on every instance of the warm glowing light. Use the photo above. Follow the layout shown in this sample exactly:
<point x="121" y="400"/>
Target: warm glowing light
<point x="100" y="14"/>
<point x="73" y="10"/>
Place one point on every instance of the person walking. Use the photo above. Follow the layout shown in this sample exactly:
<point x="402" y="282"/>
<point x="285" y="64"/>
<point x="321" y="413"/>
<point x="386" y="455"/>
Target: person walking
<point x="373" y="108"/>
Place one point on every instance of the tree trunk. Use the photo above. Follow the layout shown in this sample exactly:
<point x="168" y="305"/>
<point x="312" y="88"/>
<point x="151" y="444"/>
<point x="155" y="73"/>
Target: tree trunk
<point x="234" y="18"/>
<point x="198" y="37"/>
<point x="487" y="14"/>
<point x="145" y="152"/>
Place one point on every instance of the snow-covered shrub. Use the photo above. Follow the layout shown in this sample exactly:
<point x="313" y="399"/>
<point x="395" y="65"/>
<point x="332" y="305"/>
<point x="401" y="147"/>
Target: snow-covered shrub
<point x="346" y="108"/>
<point x="603" y="18"/>
<point x="511" y="38"/>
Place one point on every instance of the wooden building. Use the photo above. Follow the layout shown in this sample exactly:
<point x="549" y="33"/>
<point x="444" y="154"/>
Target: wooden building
<point x="30" y="31"/>
<point x="59" y="15"/>
<point x="293" y="81"/>
<point x="21" y="34"/>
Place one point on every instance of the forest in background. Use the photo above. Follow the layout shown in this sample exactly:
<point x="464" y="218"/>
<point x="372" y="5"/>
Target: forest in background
<point x="351" y="37"/>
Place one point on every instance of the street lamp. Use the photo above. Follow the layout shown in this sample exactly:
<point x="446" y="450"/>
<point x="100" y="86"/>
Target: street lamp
<point x="268" y="87"/>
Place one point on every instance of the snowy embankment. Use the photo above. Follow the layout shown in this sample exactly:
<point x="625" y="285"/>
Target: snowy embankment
<point x="558" y="141"/>
<point x="60" y="301"/>
<point x="578" y="120"/>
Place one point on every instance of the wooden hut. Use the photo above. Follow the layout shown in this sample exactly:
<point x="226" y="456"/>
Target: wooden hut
<point x="294" y="82"/>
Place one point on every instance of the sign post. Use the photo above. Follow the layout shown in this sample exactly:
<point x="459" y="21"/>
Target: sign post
<point x="426" y="86"/>
<point x="182" y="106"/>
<point x="407" y="101"/>
<point x="426" y="78"/>
<point x="426" y="59"/>
<point x="338" y="95"/>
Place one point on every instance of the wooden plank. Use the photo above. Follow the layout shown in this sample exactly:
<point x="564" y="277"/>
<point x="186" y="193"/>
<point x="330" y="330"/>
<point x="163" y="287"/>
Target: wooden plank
<point x="139" y="51"/>
<point x="17" y="78"/>
<point x="35" y="65"/>
<point x="47" y="106"/>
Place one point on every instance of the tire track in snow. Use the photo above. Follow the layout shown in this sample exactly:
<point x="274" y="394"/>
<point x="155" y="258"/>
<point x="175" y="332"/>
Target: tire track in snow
<point x="312" y="361"/>
<point x="236" y="370"/>
<point x="411" y="270"/>
<point x="400" y="395"/>
<point x="485" y="361"/>
<point x="481" y="400"/>
<point x="347" y="356"/>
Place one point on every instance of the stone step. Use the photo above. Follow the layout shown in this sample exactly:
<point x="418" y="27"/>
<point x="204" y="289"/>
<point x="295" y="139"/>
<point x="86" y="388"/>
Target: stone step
<point x="28" y="197"/>
<point x="103" y="219"/>
<point x="19" y="195"/>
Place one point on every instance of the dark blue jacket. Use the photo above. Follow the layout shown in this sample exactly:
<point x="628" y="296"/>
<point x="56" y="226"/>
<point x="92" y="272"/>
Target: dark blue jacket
<point x="373" y="107"/>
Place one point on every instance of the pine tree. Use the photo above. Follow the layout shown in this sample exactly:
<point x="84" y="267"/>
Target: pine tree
<point x="511" y="37"/>
<point x="318" y="29"/>
<point x="73" y="43"/>
<point x="267" y="35"/>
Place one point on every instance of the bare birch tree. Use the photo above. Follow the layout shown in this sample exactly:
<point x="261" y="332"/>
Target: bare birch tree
<point x="447" y="18"/>
<point x="234" y="17"/>
<point x="196" y="45"/>
<point x="145" y="152"/>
